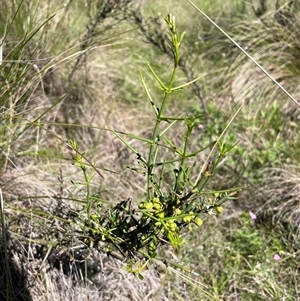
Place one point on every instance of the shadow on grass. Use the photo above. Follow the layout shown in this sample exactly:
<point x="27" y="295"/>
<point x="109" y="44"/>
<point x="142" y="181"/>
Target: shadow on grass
<point x="12" y="280"/>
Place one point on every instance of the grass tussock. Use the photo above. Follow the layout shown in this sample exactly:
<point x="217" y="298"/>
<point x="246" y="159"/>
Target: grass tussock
<point x="273" y="41"/>
<point x="282" y="203"/>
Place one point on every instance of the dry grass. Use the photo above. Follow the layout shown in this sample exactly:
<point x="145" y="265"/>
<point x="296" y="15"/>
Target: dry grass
<point x="280" y="196"/>
<point x="273" y="41"/>
<point x="37" y="171"/>
<point x="106" y="281"/>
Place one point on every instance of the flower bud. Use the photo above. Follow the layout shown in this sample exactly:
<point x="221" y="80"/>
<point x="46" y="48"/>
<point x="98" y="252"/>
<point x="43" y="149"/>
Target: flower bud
<point x="219" y="209"/>
<point x="199" y="221"/>
<point x="149" y="205"/>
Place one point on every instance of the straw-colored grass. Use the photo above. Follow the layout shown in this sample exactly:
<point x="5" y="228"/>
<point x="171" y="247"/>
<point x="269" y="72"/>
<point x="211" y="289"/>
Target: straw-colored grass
<point x="76" y="78"/>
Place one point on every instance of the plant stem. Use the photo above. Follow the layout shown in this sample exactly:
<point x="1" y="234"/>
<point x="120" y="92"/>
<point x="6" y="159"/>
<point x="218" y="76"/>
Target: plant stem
<point x="151" y="158"/>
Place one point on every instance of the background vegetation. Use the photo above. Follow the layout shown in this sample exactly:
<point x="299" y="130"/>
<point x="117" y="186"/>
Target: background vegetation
<point x="72" y="70"/>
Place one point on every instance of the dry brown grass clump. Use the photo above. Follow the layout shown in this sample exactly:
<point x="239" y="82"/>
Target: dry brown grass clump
<point x="280" y="198"/>
<point x="273" y="40"/>
<point x="60" y="279"/>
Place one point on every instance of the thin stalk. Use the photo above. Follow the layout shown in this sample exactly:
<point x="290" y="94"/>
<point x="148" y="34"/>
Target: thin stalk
<point x="153" y="144"/>
<point x="88" y="194"/>
<point x="183" y="157"/>
<point x="5" y="250"/>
